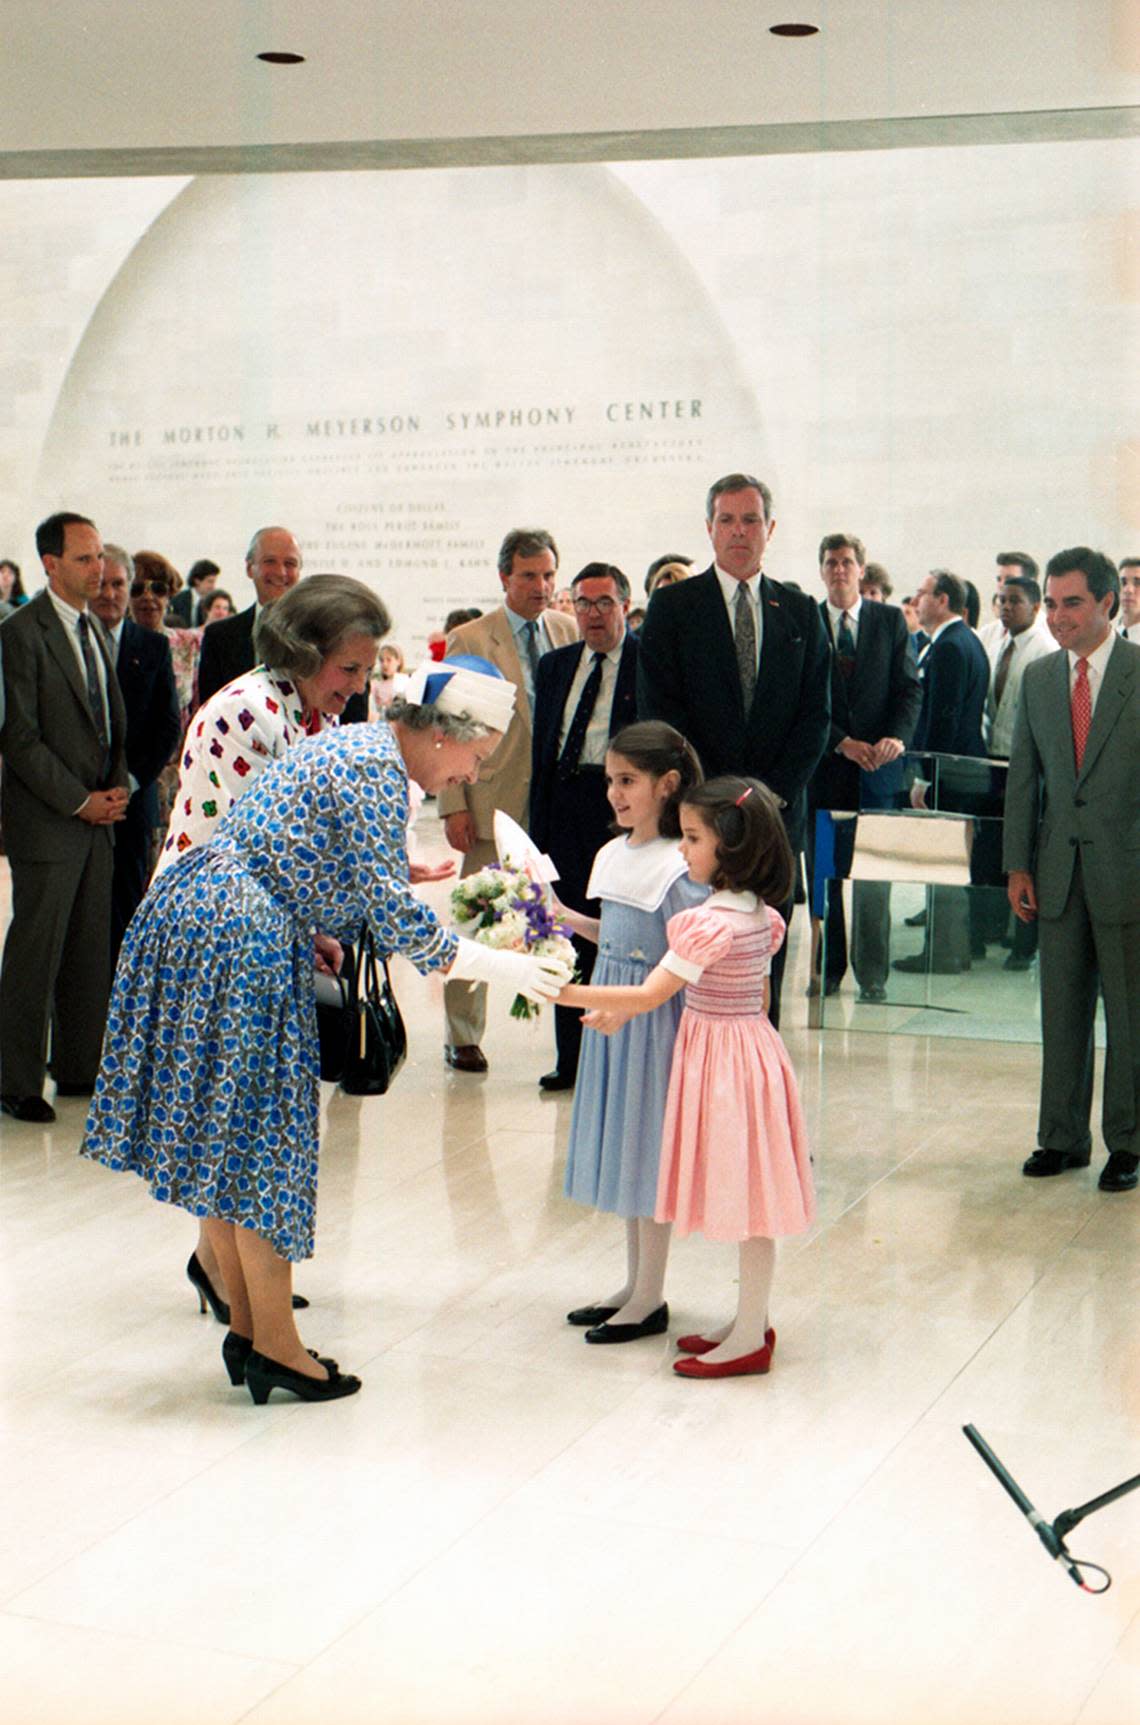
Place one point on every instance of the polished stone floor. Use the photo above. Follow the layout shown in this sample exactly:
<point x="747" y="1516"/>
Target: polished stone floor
<point x="507" y="1527"/>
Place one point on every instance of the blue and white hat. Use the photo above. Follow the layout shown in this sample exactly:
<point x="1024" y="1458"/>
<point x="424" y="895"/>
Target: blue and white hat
<point x="466" y="687"/>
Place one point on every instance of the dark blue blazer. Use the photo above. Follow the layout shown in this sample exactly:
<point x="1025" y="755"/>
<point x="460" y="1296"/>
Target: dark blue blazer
<point x="552" y="685"/>
<point x="881" y="698"/>
<point x="687" y="675"/>
<point x="146" y="677"/>
<point x="955" y="675"/>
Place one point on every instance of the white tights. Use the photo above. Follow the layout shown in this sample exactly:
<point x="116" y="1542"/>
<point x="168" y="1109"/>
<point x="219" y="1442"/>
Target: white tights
<point x="647" y="1254"/>
<point x="745" y="1335"/>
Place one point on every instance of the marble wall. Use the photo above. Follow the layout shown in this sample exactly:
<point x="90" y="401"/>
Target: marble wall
<point x="931" y="348"/>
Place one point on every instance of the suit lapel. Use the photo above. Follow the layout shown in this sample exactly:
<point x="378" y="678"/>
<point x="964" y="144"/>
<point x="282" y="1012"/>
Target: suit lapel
<point x="777" y="637"/>
<point x="63" y="653"/>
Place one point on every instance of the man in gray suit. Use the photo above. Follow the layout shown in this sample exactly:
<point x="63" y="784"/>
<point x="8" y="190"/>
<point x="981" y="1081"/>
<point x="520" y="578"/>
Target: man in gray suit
<point x="64" y="789"/>
<point x="1072" y="815"/>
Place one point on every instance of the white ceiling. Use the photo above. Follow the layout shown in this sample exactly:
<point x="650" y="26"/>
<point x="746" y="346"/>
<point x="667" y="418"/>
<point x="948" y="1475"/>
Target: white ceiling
<point x="618" y="76"/>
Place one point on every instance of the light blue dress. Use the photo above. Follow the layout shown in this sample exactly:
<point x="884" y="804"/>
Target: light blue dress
<point x="208" y="1087"/>
<point x="619" y="1099"/>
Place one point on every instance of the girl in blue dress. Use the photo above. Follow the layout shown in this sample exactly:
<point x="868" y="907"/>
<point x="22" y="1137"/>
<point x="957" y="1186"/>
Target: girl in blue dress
<point x="208" y="1086"/>
<point x="619" y="1099"/>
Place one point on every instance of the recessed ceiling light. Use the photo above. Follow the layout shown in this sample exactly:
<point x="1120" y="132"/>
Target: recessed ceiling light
<point x="793" y="29"/>
<point x="274" y="59"/>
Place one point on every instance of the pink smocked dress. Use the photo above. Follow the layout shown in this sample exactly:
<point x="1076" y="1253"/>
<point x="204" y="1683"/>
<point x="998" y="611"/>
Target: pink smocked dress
<point x="734" y="1152"/>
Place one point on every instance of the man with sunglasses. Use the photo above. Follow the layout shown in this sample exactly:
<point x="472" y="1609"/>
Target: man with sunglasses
<point x="583" y="695"/>
<point x="65" y="788"/>
<point x="145" y="671"/>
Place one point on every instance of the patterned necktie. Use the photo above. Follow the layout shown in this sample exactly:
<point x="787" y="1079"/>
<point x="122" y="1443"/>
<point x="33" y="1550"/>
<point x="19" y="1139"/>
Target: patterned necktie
<point x="576" y="735"/>
<point x="531" y="633"/>
<point x="1001" y="675"/>
<point x="94" y="692"/>
<point x="845" y="645"/>
<point x="1082" y="711"/>
<point x="745" y="633"/>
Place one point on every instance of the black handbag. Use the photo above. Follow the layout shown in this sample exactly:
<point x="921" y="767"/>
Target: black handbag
<point x="363" y="1042"/>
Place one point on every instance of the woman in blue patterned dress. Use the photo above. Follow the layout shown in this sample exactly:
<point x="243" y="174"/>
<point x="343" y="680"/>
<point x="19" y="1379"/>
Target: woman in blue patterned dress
<point x="208" y="1087"/>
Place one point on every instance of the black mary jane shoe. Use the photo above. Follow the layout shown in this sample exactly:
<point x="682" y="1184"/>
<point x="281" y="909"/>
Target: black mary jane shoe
<point x="586" y="1317"/>
<point x="654" y="1325"/>
<point x="263" y="1375"/>
<point x="237" y="1349"/>
<point x="209" y="1296"/>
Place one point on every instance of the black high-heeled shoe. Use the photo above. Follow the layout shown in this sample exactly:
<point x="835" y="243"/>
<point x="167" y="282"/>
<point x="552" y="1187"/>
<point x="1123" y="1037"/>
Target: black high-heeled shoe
<point x="208" y="1294"/>
<point x="263" y="1374"/>
<point x="237" y="1349"/>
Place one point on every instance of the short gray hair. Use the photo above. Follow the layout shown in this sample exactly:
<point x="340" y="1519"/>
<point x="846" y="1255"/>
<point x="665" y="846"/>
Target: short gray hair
<point x="255" y="542"/>
<point x="116" y="554"/>
<point x="427" y="717"/>
<point x="737" y="482"/>
<point x="525" y="542"/>
<point x="297" y="632"/>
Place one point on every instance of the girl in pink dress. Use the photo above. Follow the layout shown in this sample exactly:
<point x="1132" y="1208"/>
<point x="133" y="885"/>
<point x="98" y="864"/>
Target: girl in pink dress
<point x="735" y="1163"/>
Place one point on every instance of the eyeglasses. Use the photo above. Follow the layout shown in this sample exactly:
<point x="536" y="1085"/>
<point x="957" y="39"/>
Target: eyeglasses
<point x="602" y="606"/>
<point x="158" y="588"/>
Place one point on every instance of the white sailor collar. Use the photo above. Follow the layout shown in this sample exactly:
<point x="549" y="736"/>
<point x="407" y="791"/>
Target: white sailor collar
<point x="636" y="875"/>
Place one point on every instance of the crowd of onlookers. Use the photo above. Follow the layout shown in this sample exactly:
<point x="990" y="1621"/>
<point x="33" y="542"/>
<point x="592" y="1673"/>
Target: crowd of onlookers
<point x="844" y="704"/>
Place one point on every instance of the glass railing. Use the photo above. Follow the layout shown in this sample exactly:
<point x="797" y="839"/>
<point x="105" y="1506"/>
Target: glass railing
<point x="924" y="941"/>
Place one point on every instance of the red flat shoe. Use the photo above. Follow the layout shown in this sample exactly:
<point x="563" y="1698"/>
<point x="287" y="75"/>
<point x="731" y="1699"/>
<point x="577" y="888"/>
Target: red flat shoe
<point x="702" y="1345"/>
<point x="745" y="1366"/>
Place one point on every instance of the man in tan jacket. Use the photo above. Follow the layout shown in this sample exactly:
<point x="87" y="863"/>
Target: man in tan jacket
<point x="513" y="637"/>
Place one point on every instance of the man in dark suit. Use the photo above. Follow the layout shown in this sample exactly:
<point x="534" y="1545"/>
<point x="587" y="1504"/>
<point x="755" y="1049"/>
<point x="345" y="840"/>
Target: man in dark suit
<point x="739" y="664"/>
<point x="145" y="671"/>
<point x="65" y="787"/>
<point x="273" y="564"/>
<point x="875" y="701"/>
<point x="583" y="695"/>
<point x="955" y="677"/>
<point x="1072" y="813"/>
<point x="187" y="605"/>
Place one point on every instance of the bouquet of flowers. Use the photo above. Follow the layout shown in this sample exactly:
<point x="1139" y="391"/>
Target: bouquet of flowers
<point x="505" y="908"/>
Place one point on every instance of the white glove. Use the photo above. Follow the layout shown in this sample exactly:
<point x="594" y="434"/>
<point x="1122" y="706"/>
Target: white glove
<point x="537" y="978"/>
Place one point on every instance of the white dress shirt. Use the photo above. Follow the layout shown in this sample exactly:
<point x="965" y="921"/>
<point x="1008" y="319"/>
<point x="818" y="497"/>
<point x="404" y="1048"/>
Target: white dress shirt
<point x="1027" y="646"/>
<point x="598" y="730"/>
<point x="729" y="587"/>
<point x="1097" y="664"/>
<point x="69" y="617"/>
<point x="835" y="616"/>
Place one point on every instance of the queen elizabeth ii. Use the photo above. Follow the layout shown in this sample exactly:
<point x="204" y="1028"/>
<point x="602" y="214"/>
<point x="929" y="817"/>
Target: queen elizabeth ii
<point x="208" y="1087"/>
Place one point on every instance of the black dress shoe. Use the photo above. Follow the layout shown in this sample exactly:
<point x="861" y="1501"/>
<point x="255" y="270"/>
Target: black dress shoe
<point x="1119" y="1172"/>
<point x="1016" y="961"/>
<point x="237" y="1349"/>
<point x="556" y="1081"/>
<point x="586" y="1317"/>
<point x="873" y="994"/>
<point x="1045" y="1163"/>
<point x="468" y="1058"/>
<point x="74" y="1089"/>
<point x="30" y="1108"/>
<point x="918" y="920"/>
<point x="263" y="1375"/>
<point x="654" y="1325"/>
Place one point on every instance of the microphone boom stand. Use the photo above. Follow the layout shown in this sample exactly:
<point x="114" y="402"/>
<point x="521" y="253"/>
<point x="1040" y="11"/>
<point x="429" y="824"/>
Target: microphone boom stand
<point x="1052" y="1534"/>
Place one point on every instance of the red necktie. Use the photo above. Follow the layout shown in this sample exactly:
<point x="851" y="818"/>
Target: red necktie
<point x="1082" y="711"/>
